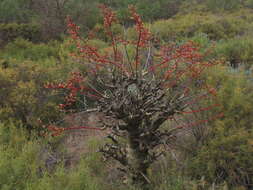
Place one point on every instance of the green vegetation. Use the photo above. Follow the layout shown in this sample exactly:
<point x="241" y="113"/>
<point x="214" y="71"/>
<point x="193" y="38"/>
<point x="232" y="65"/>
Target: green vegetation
<point x="21" y="166"/>
<point x="225" y="154"/>
<point x="34" y="50"/>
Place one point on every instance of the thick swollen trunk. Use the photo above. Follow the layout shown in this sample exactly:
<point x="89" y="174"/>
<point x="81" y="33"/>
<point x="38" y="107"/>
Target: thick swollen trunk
<point x="137" y="160"/>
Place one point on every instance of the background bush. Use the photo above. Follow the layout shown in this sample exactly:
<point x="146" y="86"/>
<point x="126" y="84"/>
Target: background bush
<point x="23" y="96"/>
<point x="227" y="152"/>
<point x="11" y="31"/>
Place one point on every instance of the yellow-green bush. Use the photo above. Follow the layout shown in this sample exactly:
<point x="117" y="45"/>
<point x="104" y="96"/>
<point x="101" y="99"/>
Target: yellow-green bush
<point x="227" y="152"/>
<point x="100" y="33"/>
<point x="23" y="96"/>
<point x="25" y="50"/>
<point x="21" y="167"/>
<point x="18" y="162"/>
<point x="217" y="27"/>
<point x="9" y="32"/>
<point x="236" y="51"/>
<point x="214" y="5"/>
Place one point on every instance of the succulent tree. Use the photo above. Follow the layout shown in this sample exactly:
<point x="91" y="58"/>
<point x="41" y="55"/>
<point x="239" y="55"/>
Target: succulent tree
<point x="141" y="90"/>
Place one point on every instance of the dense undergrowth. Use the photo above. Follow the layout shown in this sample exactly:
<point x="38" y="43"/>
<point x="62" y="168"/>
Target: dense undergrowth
<point x="217" y="155"/>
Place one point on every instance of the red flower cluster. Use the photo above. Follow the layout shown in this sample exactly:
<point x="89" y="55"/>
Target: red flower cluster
<point x="73" y="86"/>
<point x="173" y="63"/>
<point x="56" y="130"/>
<point x="176" y="61"/>
<point x="109" y="16"/>
<point x="73" y="29"/>
<point x="144" y="34"/>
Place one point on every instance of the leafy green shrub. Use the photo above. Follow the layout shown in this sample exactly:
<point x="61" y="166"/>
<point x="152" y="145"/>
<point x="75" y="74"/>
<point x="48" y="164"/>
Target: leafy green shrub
<point x="202" y="39"/>
<point x="25" y="50"/>
<point x="162" y="9"/>
<point x="249" y="3"/>
<point x="21" y="167"/>
<point x="149" y="10"/>
<point x="9" y="32"/>
<point x="215" y="30"/>
<point x="78" y="178"/>
<point x="226" y="158"/>
<point x="173" y="29"/>
<point x="15" y="11"/>
<point x="236" y="51"/>
<point x="227" y="152"/>
<point x="117" y="29"/>
<point x="215" y="26"/>
<point x="23" y="96"/>
<point x="212" y="5"/>
<point x="223" y="5"/>
<point x="18" y="162"/>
